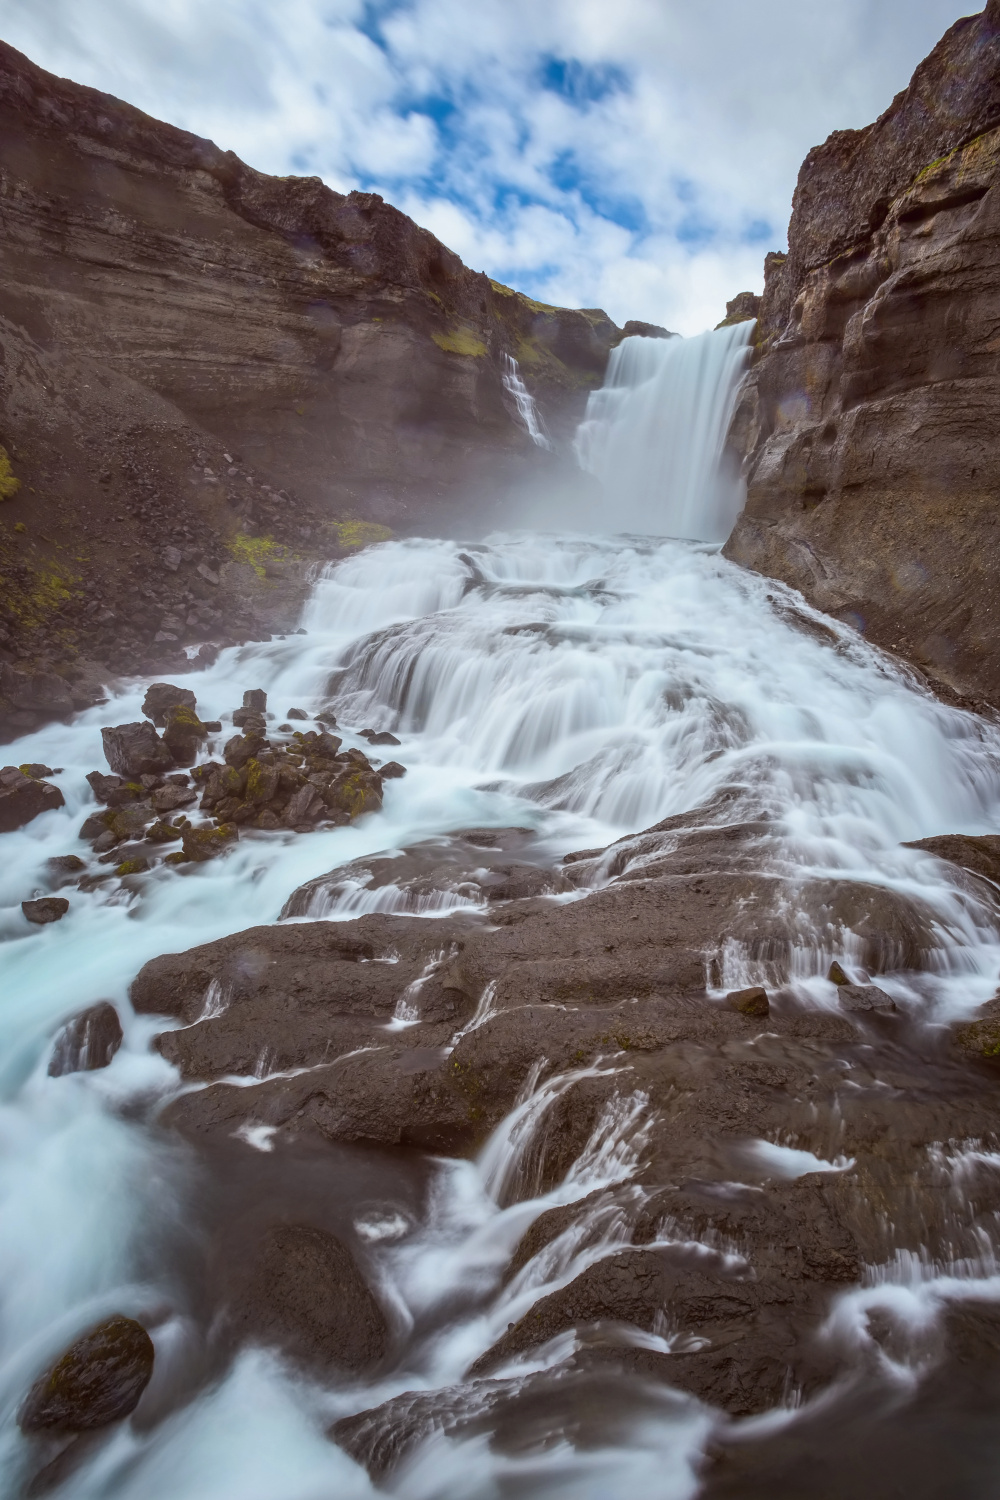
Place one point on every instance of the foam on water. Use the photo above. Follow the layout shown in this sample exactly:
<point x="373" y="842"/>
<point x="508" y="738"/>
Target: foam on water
<point x="581" y="686"/>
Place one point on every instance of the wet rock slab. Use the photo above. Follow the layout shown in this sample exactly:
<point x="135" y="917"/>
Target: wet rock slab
<point x="98" y="1380"/>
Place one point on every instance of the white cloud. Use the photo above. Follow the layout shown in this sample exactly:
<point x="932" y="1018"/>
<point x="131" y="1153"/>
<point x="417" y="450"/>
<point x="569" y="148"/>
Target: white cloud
<point x="648" y="177"/>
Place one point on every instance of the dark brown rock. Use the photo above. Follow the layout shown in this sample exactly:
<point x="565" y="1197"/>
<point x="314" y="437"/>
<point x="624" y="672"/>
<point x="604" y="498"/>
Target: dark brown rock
<point x="241" y="748"/>
<point x="133" y="750"/>
<point x="979" y="853"/>
<point x="391" y="770"/>
<point x="23" y="798"/>
<point x="90" y="1040"/>
<point x="307" y="1296"/>
<point x="45" y="909"/>
<point x="749" y="1002"/>
<point x="199" y="844"/>
<point x="161" y="696"/>
<point x="871" y="423"/>
<point x="97" y="1381"/>
<point x="183" y="733"/>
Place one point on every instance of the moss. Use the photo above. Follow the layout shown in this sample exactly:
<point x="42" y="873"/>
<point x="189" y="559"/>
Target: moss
<point x="131" y="867"/>
<point x="460" y="341"/>
<point x="9" y="484"/>
<point x="358" y="534"/>
<point x="177" y="858"/>
<point x="980" y="1037"/>
<point x="257" y="551"/>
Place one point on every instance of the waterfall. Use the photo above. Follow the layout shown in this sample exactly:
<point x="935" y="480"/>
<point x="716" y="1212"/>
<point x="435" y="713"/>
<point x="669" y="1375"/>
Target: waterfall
<point x="654" y="434"/>
<point x="524" y="401"/>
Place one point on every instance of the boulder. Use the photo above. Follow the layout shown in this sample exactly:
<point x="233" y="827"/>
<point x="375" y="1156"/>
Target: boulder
<point x="133" y="750"/>
<point x="865" y="997"/>
<point x="378" y="737"/>
<point x="183" y="733"/>
<point x="36" y="770"/>
<point x="162" y="832"/>
<point x="199" y="844"/>
<point x="306" y="1296"/>
<point x="23" y="798"/>
<point x="98" y="1380"/>
<point x="357" y="790"/>
<point x="90" y="1040"/>
<point x="64" y="868"/>
<point x="114" y="791"/>
<point x="45" y="909"/>
<point x="978" y="853"/>
<point x="169" y="798"/>
<point x="296" y="713"/>
<point x="241" y="748"/>
<point x="305" y="808"/>
<point x="749" y="1002"/>
<point x="255" y="699"/>
<point x="391" y="770"/>
<point x="161" y="696"/>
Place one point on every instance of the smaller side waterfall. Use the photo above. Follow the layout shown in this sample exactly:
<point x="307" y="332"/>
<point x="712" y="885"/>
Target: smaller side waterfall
<point x="524" y="401"/>
<point x="654" y="434"/>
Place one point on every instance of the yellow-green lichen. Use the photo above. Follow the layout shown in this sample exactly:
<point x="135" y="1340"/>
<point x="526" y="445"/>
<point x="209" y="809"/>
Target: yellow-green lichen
<point x="358" y="534"/>
<point x="9" y="484"/>
<point x="257" y="551"/>
<point x="461" y="340"/>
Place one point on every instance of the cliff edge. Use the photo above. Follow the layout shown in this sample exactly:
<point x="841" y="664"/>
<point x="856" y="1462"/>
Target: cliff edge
<point x="871" y="418"/>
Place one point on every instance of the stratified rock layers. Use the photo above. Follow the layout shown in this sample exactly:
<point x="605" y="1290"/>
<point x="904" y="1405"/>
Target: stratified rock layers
<point x="871" y="419"/>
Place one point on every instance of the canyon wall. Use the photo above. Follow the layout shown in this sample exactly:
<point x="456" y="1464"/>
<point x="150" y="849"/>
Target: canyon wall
<point x="871" y="417"/>
<point x="209" y="376"/>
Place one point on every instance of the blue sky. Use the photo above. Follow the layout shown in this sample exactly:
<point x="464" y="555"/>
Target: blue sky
<point x="637" y="155"/>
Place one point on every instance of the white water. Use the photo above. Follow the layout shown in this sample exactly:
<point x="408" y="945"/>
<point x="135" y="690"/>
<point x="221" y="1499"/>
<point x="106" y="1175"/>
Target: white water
<point x="654" y="434"/>
<point x="582" y="686"/>
<point x="524" y="401"/>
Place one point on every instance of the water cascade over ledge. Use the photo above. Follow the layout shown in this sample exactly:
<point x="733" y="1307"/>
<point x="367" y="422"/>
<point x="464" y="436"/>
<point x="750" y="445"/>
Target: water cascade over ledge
<point x="571" y="691"/>
<point x="653" y="435"/>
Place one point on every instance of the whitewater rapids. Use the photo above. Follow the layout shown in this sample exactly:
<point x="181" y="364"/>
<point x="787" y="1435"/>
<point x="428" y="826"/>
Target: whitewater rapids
<point x="584" y="687"/>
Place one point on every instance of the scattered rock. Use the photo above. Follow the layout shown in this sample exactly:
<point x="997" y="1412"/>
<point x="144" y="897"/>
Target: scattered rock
<point x="161" y="696"/>
<point x="378" y="737"/>
<point x="241" y="747"/>
<point x="90" y="1040"/>
<point x="65" y="867"/>
<point x="36" y="770"/>
<point x="45" y="909"/>
<point x="865" y="997"/>
<point x="297" y="713"/>
<point x="162" y="832"/>
<point x="23" y="797"/>
<point x="749" y="1002"/>
<point x="183" y="733"/>
<point x="115" y="791"/>
<point x="134" y="749"/>
<point x="307" y="1296"/>
<point x="255" y="699"/>
<point x="199" y="844"/>
<point x="836" y="974"/>
<point x="97" y="1381"/>
<point x="391" y="770"/>
<point x="169" y="798"/>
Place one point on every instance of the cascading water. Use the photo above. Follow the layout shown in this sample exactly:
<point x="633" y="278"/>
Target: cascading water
<point x="653" y="436"/>
<point x="580" y="688"/>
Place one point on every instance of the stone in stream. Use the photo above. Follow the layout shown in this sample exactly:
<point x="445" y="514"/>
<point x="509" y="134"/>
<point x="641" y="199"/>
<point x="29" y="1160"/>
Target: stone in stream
<point x="161" y="696"/>
<point x="749" y="1002"/>
<point x="23" y="797"/>
<point x="97" y="1381"/>
<point x="306" y="1295"/>
<point x="89" y="1041"/>
<point x="200" y="844"/>
<point x="391" y="770"/>
<point x="183" y="733"/>
<point x="378" y="737"/>
<point x="36" y="770"/>
<point x="134" y="749"/>
<point x="64" y="868"/>
<point x="297" y="713"/>
<point x="979" y="853"/>
<point x="114" y="791"/>
<point x="45" y="909"/>
<point x="865" y="997"/>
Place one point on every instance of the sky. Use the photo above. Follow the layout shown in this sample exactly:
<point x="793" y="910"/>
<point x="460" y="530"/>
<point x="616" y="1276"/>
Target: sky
<point x="635" y="155"/>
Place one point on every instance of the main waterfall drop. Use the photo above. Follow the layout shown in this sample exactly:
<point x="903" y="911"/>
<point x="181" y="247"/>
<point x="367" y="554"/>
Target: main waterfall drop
<point x="654" y="435"/>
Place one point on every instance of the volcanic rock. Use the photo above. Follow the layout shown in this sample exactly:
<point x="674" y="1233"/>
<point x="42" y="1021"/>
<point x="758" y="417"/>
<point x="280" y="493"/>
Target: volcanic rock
<point x="97" y="1381"/>
<point x="45" y="909"/>
<point x="307" y="1296"/>
<point x="871" y="421"/>
<point x="23" y="798"/>
<point x="90" y="1040"/>
<point x="161" y="696"/>
<point x="978" y="853"/>
<point x="134" y="749"/>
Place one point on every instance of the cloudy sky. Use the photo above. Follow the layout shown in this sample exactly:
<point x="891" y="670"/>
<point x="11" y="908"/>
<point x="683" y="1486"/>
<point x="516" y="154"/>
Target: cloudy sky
<point x="637" y="155"/>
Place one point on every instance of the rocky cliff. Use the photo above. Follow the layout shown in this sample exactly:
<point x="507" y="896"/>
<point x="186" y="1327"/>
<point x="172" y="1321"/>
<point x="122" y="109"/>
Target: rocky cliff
<point x="209" y="376"/>
<point x="871" y="419"/>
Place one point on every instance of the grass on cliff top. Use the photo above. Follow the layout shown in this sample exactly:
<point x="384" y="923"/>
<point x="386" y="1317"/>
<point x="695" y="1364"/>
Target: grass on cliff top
<point x="9" y="484"/>
<point x="460" y="341"/>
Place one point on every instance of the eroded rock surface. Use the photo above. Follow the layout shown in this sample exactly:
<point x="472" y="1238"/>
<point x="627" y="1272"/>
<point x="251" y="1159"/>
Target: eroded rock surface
<point x="872" y="420"/>
<point x="97" y="1381"/>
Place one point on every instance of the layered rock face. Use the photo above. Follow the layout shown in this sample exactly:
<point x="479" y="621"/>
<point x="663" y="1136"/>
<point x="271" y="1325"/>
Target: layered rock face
<point x="871" y="420"/>
<point x="210" y="376"/>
